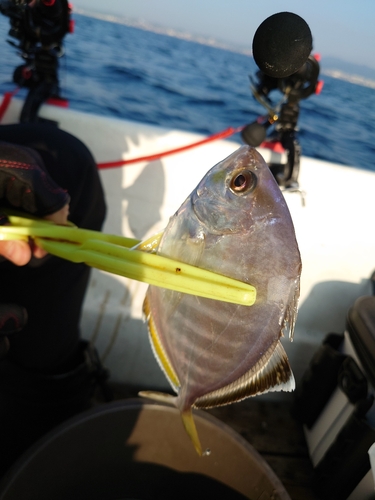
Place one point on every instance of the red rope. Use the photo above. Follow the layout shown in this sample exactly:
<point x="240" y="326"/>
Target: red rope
<point x="220" y="135"/>
<point x="6" y="101"/>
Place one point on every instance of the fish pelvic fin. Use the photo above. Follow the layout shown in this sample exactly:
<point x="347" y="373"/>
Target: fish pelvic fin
<point x="160" y="397"/>
<point x="271" y="373"/>
<point x="150" y="245"/>
<point x="158" y="349"/>
<point x="189" y="424"/>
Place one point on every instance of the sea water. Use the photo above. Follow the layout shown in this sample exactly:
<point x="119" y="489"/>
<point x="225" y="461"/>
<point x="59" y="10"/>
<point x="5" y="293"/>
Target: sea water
<point x="116" y="70"/>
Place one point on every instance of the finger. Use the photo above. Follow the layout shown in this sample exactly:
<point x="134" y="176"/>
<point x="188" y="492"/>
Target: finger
<point x="18" y="252"/>
<point x="38" y="252"/>
<point x="61" y="216"/>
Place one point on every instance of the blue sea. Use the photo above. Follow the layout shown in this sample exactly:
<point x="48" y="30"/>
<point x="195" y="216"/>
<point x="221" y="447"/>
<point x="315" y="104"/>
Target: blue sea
<point x="125" y="72"/>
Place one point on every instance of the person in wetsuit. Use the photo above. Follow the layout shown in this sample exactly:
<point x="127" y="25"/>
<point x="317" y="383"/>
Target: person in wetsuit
<point x="47" y="373"/>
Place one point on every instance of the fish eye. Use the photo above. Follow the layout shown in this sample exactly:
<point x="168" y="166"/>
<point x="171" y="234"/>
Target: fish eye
<point x="243" y="182"/>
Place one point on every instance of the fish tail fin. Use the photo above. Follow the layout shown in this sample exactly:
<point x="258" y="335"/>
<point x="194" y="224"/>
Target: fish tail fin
<point x="189" y="424"/>
<point x="160" y="397"/>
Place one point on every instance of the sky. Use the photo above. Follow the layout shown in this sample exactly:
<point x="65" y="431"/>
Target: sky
<point x="341" y="28"/>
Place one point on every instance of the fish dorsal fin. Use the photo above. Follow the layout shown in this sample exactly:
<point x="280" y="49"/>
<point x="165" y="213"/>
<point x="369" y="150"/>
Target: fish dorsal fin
<point x="158" y="349"/>
<point x="271" y="373"/>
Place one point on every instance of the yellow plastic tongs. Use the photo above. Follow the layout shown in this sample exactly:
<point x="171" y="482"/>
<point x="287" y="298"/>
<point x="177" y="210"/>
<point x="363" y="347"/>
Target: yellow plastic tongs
<point x="127" y="257"/>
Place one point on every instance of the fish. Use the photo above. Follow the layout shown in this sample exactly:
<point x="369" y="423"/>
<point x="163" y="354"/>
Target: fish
<point x="236" y="223"/>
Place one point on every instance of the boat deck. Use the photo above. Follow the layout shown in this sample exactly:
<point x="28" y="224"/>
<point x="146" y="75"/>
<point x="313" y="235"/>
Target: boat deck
<point x="269" y="427"/>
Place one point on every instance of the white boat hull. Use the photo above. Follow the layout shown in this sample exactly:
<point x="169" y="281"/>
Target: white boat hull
<point x="334" y="231"/>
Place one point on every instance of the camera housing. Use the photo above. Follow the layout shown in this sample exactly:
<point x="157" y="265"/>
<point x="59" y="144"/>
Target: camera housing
<point x="39" y="27"/>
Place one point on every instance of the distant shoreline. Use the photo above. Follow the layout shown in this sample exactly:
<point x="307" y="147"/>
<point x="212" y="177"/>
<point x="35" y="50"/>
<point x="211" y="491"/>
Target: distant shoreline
<point x="143" y="25"/>
<point x="356" y="79"/>
<point x="333" y="73"/>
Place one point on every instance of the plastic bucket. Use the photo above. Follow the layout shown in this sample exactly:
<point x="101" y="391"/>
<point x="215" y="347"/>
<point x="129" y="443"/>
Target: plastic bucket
<point x="134" y="450"/>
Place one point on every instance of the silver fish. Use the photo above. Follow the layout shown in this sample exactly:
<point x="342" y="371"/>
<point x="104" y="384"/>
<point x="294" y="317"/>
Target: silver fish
<point x="236" y="223"/>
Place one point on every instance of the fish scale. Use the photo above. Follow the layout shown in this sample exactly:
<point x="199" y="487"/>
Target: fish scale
<point x="235" y="223"/>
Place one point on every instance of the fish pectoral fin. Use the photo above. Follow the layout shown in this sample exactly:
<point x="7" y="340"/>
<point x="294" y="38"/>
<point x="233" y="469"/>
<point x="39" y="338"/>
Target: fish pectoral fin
<point x="189" y="424"/>
<point x="161" y="397"/>
<point x="271" y="373"/>
<point x="150" y="245"/>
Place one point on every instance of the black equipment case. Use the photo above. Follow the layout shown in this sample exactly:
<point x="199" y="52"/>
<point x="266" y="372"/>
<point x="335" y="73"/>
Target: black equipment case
<point x="335" y="402"/>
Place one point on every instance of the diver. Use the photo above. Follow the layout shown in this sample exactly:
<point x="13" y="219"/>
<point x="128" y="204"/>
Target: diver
<point x="295" y="87"/>
<point x="47" y="372"/>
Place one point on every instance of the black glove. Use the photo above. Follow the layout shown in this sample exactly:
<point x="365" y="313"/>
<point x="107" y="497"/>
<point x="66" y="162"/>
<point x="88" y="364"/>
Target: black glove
<point x="25" y="184"/>
<point x="12" y="319"/>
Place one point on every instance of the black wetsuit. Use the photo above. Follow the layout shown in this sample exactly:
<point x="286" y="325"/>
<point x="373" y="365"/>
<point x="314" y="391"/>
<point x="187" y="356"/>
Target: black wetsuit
<point x="43" y="378"/>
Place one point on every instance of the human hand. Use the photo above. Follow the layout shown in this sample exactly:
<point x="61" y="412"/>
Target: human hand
<point x="20" y="252"/>
<point x="14" y="317"/>
<point x="26" y="185"/>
